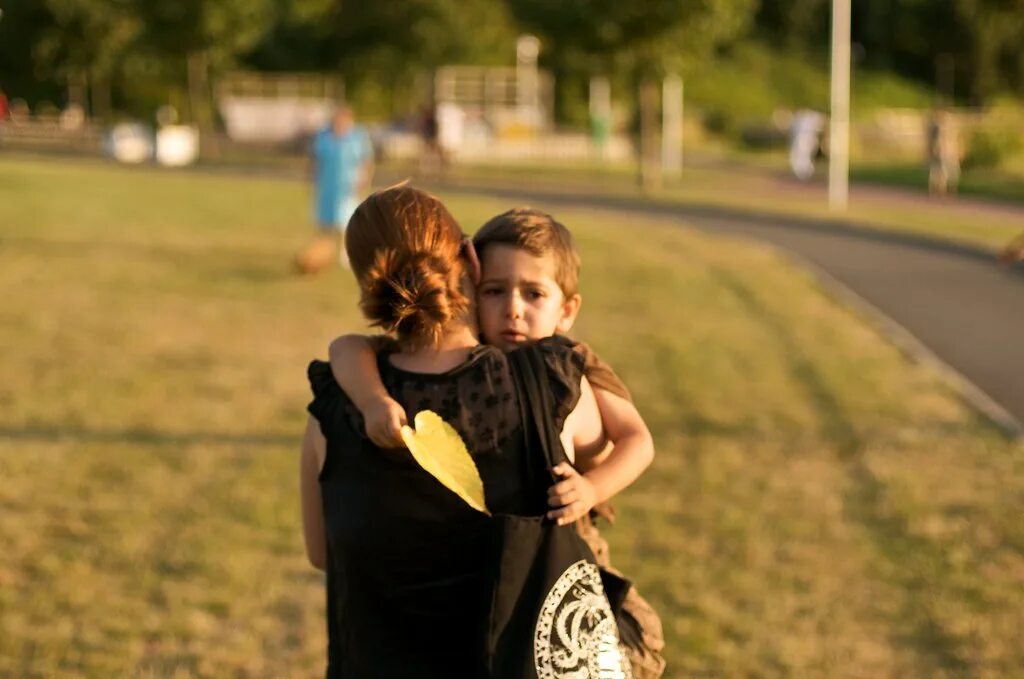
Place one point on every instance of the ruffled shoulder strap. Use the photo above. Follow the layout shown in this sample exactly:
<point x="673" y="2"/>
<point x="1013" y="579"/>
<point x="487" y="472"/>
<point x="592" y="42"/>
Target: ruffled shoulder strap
<point x="565" y="368"/>
<point x="327" y="395"/>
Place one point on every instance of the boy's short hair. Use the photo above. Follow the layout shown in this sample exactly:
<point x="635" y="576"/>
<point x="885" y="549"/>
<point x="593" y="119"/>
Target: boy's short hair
<point x="539" y="234"/>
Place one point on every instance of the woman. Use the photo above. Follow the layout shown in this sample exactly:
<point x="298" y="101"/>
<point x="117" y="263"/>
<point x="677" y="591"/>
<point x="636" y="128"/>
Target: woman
<point x="407" y="561"/>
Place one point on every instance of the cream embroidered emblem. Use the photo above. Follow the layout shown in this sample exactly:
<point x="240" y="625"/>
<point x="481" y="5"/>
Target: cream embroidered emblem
<point x="576" y="636"/>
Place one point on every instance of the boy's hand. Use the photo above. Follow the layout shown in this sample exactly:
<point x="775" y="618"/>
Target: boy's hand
<point x="384" y="419"/>
<point x="574" y="495"/>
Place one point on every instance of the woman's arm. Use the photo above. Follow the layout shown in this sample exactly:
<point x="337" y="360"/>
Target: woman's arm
<point x="314" y="451"/>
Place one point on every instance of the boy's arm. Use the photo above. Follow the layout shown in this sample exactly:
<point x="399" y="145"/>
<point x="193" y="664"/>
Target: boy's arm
<point x="354" y="365"/>
<point x="606" y="472"/>
<point x="632" y="448"/>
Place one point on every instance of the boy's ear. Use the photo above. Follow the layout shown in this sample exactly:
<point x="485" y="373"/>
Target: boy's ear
<point x="570" y="309"/>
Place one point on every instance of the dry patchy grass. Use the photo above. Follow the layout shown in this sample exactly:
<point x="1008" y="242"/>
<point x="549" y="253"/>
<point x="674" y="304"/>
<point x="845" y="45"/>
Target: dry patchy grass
<point x="819" y="506"/>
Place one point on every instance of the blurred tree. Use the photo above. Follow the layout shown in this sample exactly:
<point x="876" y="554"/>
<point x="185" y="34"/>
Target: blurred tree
<point x="22" y="23"/>
<point x="386" y="46"/>
<point x="134" y="52"/>
<point x="638" y="41"/>
<point x="84" y="44"/>
<point x="298" y="37"/>
<point x="383" y="48"/>
<point x="649" y="36"/>
<point x="976" y="43"/>
<point x="995" y="35"/>
<point x="202" y="35"/>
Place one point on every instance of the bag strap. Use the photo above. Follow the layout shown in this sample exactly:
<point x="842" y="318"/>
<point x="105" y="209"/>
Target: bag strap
<point x="536" y="410"/>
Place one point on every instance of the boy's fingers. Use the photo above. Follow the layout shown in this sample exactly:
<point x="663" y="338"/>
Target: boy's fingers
<point x="566" y="515"/>
<point x="565" y="469"/>
<point x="563" y="499"/>
<point x="395" y="431"/>
<point x="399" y="416"/>
<point x="385" y="434"/>
<point x="381" y="439"/>
<point x="561" y="488"/>
<point x="566" y="495"/>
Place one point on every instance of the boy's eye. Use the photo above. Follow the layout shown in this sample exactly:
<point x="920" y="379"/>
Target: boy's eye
<point x="491" y="292"/>
<point x="534" y="294"/>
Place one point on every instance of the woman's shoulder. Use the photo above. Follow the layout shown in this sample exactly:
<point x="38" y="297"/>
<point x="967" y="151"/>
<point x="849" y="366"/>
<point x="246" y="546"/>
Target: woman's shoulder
<point x="331" y="407"/>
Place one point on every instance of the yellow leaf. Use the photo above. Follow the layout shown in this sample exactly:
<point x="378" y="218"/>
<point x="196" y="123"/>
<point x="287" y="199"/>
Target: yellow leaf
<point x="439" y="449"/>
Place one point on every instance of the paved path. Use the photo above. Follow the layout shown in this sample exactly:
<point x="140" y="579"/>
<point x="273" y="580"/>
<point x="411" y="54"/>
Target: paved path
<point x="957" y="301"/>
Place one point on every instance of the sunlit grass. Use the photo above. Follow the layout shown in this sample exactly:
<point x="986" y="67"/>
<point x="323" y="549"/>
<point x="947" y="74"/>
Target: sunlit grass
<point x="819" y="505"/>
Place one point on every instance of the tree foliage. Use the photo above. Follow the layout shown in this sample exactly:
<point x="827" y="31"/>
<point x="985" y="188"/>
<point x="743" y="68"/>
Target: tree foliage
<point x="140" y="44"/>
<point x="643" y="36"/>
<point x="981" y="40"/>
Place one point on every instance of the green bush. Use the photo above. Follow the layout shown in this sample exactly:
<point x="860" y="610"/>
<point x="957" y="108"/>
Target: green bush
<point x="997" y="140"/>
<point x="743" y="86"/>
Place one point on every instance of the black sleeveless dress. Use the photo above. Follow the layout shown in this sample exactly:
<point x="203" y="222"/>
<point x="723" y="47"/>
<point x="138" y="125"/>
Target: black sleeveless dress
<point x="408" y="562"/>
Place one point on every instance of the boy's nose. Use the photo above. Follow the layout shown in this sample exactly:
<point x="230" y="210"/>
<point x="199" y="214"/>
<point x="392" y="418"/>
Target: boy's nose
<point x="515" y="306"/>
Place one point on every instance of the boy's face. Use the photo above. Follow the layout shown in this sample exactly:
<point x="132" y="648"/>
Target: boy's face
<point x="518" y="299"/>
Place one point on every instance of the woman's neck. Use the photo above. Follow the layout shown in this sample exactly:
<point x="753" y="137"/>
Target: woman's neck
<point x="451" y="351"/>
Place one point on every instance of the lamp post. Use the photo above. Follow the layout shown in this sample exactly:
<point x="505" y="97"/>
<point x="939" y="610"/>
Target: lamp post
<point x="839" y="118"/>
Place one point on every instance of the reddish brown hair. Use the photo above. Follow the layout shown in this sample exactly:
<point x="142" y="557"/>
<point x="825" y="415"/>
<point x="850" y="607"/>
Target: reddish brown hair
<point x="404" y="247"/>
<point x="539" y="234"/>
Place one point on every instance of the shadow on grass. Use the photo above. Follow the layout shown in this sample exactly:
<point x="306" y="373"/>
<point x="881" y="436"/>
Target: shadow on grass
<point x="835" y="424"/>
<point x="919" y="567"/>
<point x="216" y="262"/>
<point x="142" y="436"/>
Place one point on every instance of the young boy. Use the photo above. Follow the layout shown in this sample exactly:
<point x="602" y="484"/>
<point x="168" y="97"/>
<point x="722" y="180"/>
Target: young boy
<point x="528" y="291"/>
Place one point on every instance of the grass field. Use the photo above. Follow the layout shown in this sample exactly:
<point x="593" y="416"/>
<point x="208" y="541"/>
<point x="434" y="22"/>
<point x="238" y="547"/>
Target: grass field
<point x="819" y="506"/>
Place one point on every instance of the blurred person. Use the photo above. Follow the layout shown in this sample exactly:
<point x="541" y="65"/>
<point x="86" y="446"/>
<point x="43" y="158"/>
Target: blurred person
<point x="72" y="117"/>
<point x="342" y="169"/>
<point x="18" y="111"/>
<point x="451" y="127"/>
<point x="432" y="159"/>
<point x="805" y="142"/>
<point x="528" y="292"/>
<point x="1013" y="252"/>
<point x="943" y="154"/>
<point x="409" y="564"/>
<point x="3" y="106"/>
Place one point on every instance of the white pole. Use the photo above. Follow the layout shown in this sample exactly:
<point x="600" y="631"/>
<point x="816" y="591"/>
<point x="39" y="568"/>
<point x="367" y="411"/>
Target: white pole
<point x="672" y="125"/>
<point x="839" y="132"/>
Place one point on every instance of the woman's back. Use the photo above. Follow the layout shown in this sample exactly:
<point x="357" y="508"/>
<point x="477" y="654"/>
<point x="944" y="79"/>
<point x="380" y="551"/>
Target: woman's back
<point x="409" y="563"/>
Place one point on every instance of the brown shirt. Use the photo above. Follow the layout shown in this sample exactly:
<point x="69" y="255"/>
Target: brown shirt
<point x="600" y="374"/>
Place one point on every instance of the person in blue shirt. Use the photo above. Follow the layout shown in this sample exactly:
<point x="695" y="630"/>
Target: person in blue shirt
<point x="342" y="169"/>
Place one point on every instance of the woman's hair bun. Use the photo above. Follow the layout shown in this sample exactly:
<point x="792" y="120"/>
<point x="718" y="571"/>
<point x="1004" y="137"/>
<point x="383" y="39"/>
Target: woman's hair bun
<point x="413" y="295"/>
